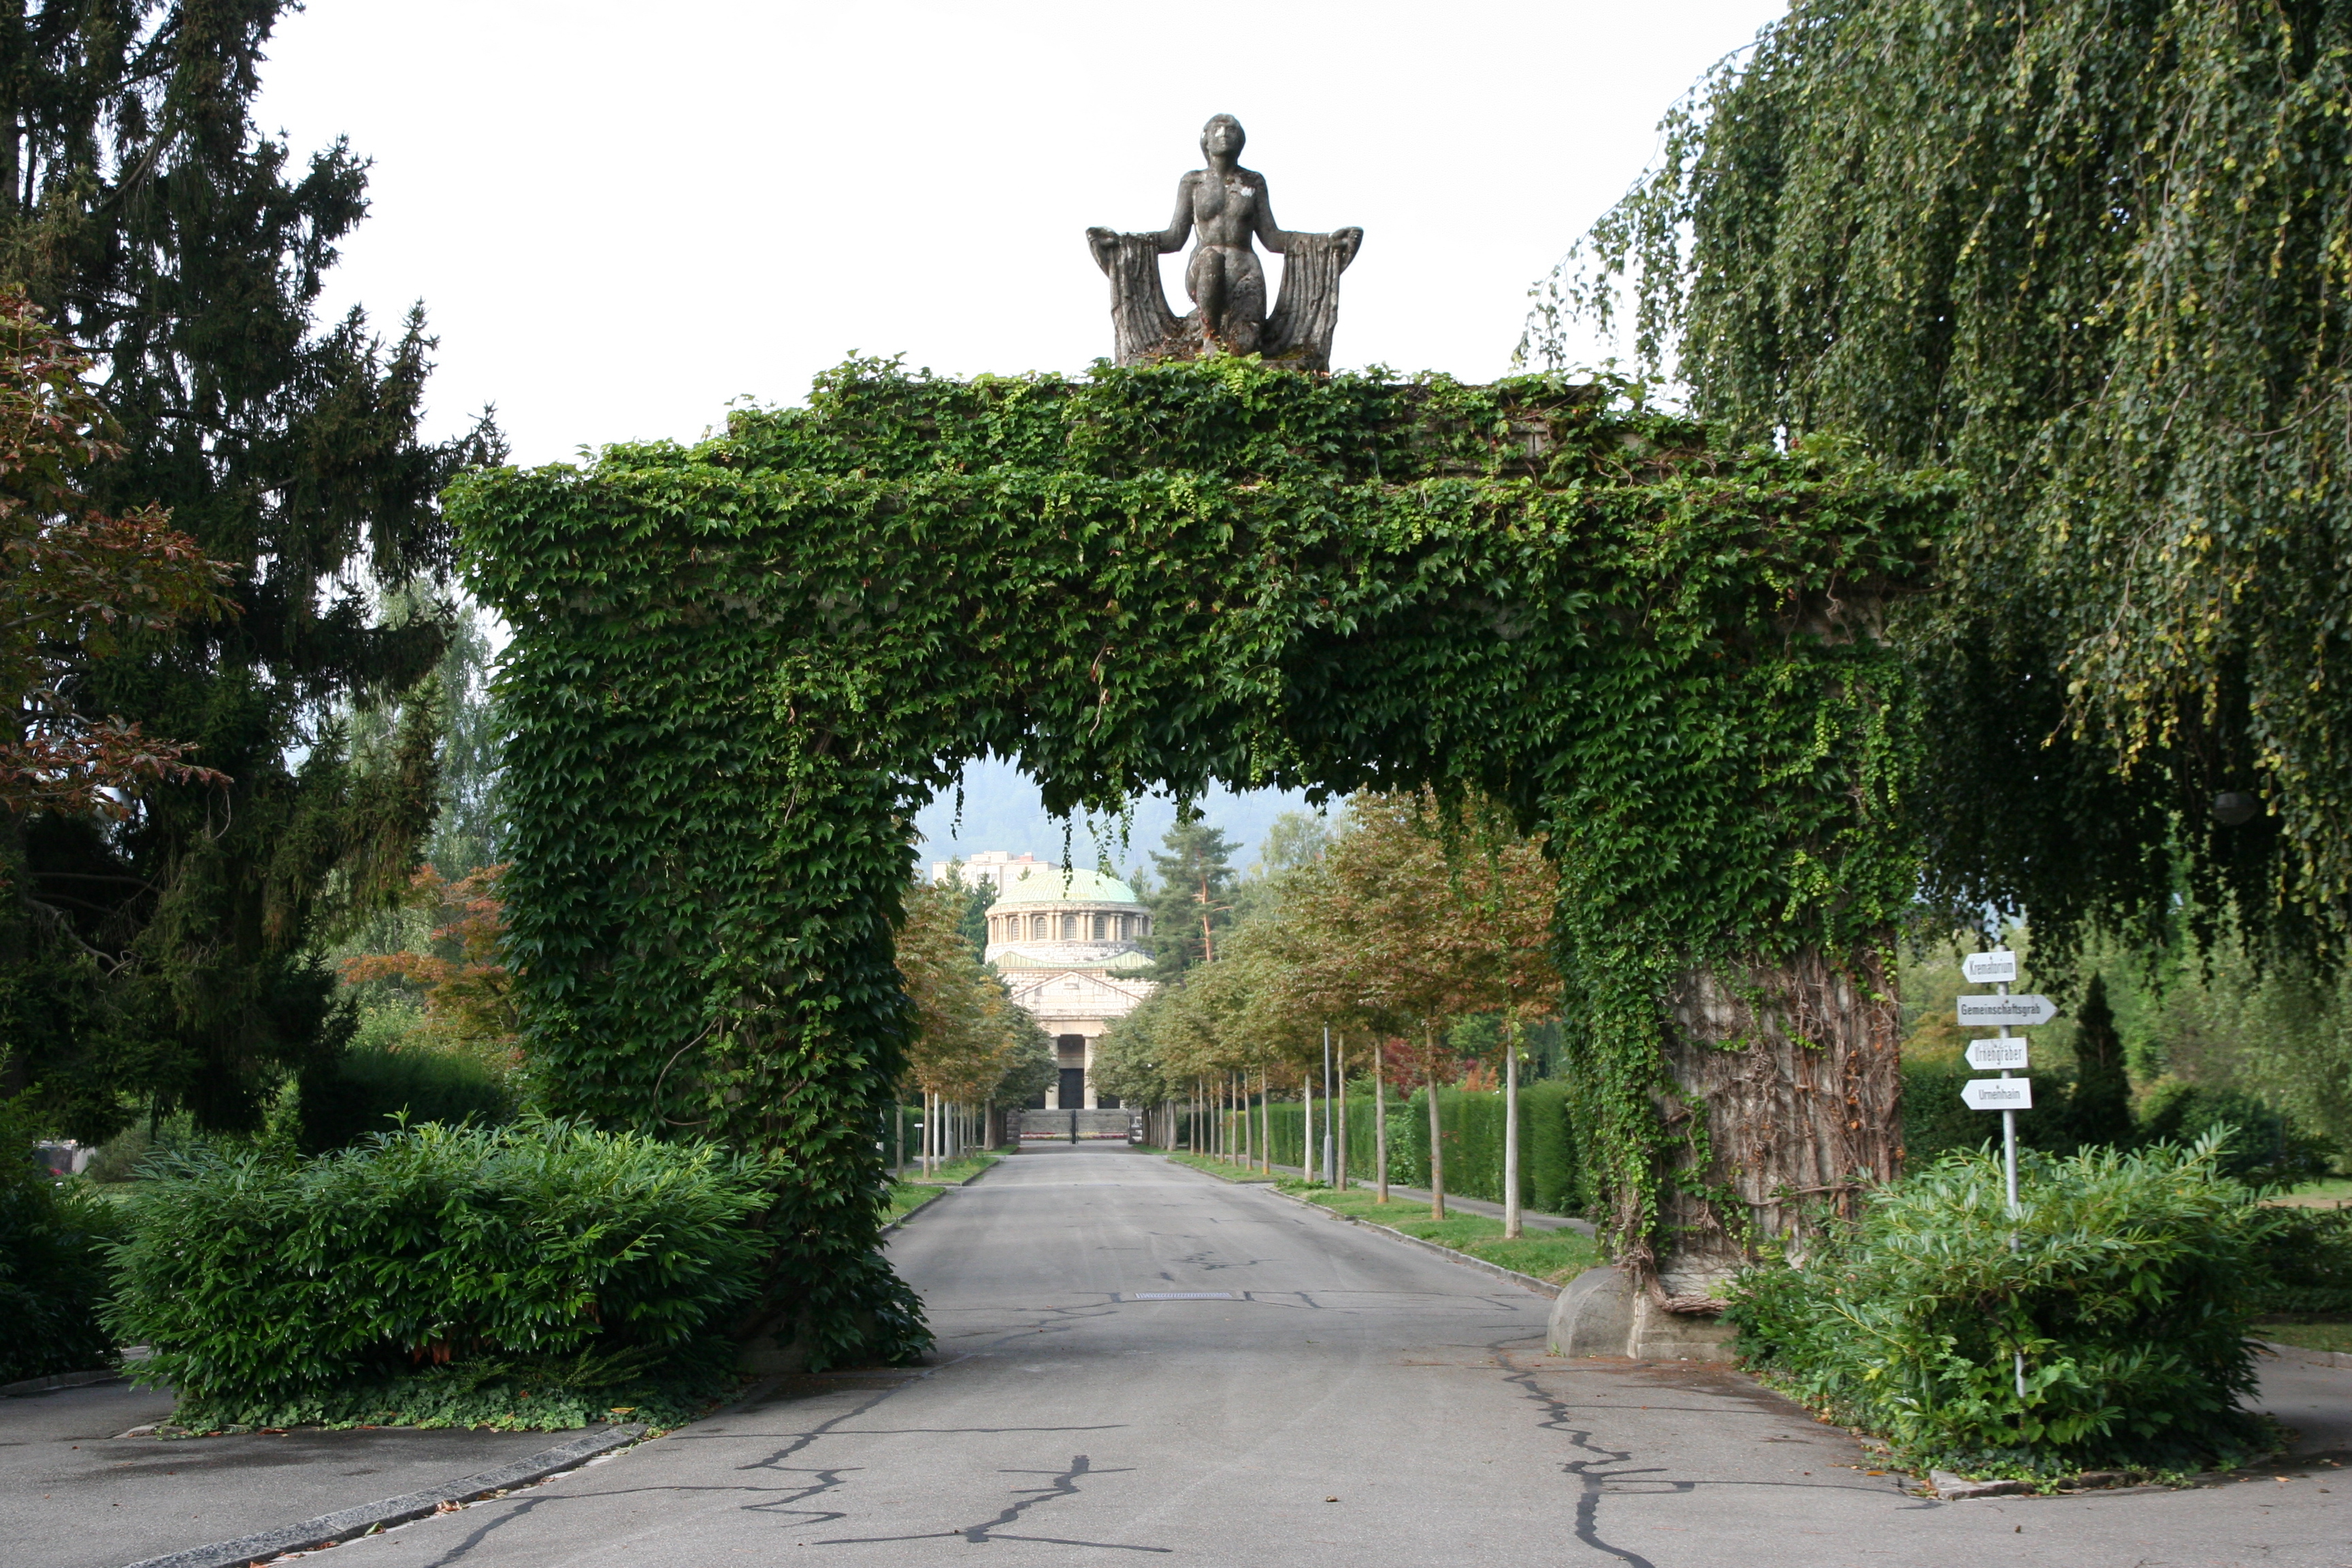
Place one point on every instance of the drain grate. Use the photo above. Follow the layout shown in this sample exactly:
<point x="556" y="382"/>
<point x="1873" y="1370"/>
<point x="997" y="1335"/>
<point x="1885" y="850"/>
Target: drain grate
<point x="1183" y="1296"/>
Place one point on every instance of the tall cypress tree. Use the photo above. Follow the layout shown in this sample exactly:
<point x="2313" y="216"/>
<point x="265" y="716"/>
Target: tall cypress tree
<point x="2100" y="1110"/>
<point x="165" y="962"/>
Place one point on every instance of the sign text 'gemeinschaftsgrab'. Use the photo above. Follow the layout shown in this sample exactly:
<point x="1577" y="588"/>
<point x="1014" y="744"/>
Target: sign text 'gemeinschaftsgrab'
<point x="1998" y="1094"/>
<point x="1989" y="1055"/>
<point x="2017" y="1012"/>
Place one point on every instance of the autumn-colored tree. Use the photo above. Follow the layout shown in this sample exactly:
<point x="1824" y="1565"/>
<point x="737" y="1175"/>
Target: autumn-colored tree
<point x="76" y="583"/>
<point x="971" y="1038"/>
<point x="469" y="991"/>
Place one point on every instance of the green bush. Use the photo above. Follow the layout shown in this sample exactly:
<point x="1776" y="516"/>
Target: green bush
<point x="2307" y="1262"/>
<point x="2264" y="1145"/>
<point x="370" y="1088"/>
<point x="53" y="1272"/>
<point x="453" y="1267"/>
<point x="2129" y="1288"/>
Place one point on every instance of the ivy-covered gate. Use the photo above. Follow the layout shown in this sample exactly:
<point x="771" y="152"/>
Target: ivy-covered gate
<point x="740" y="669"/>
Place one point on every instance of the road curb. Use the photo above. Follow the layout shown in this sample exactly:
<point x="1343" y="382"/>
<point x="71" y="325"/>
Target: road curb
<point x="328" y="1529"/>
<point x="1540" y="1286"/>
<point x="944" y="1188"/>
<point x="58" y="1380"/>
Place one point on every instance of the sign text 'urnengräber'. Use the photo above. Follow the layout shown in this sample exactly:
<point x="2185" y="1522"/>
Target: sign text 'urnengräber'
<point x="1992" y="1053"/>
<point x="1997" y="967"/>
<point x="1997" y="1093"/>
<point x="2017" y="1012"/>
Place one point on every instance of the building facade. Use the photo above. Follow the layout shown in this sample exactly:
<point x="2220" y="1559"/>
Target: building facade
<point x="1071" y="948"/>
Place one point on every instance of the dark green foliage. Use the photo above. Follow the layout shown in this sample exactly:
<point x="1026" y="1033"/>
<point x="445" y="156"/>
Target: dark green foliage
<point x="542" y="1257"/>
<point x="2260" y="1144"/>
<point x="2130" y="1291"/>
<point x="2097" y="255"/>
<point x="1193" y="902"/>
<point x="1547" y="1152"/>
<point x="2100" y="1109"/>
<point x="53" y="1281"/>
<point x="1936" y="1123"/>
<point x="367" y="1090"/>
<point x="739" y="669"/>
<point x="161" y="965"/>
<point x="2305" y="1256"/>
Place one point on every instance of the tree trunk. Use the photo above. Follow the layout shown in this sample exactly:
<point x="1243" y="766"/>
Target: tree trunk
<point x="1511" y="1223"/>
<point x="1339" y="1166"/>
<point x="1381" y="1120"/>
<point x="898" y="1139"/>
<point x="1265" y="1122"/>
<point x="1790" y="1098"/>
<point x="1306" y="1125"/>
<point x="1436" y="1153"/>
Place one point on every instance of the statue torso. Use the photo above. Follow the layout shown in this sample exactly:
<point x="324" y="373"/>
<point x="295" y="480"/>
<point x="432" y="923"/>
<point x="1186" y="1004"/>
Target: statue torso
<point x="1224" y="211"/>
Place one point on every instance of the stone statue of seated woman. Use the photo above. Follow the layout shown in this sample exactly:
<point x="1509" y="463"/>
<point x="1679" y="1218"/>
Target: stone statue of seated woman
<point x="1227" y="207"/>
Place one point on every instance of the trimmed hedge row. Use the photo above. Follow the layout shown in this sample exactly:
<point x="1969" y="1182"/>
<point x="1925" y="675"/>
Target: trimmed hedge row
<point x="1550" y="1181"/>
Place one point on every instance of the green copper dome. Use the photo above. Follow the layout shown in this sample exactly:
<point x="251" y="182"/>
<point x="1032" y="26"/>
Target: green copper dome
<point x="1052" y="884"/>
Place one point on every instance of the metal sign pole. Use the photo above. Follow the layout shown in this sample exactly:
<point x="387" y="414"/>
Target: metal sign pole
<point x="1330" y="1176"/>
<point x="2009" y="1154"/>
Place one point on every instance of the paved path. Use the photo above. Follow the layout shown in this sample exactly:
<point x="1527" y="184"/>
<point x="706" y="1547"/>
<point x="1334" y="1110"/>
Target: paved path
<point x="77" y="1493"/>
<point x="1342" y="1400"/>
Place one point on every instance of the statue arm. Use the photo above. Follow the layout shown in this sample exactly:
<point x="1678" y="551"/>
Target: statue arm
<point x="1172" y="238"/>
<point x="1270" y="233"/>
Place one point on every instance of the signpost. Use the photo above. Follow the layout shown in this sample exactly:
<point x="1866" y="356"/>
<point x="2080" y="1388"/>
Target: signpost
<point x="2005" y="1094"/>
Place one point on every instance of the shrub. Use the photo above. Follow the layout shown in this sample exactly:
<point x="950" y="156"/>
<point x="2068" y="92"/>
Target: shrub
<point x="370" y="1088"/>
<point x="2129" y="1290"/>
<point x="545" y="1255"/>
<point x="2263" y="1145"/>
<point x="53" y="1273"/>
<point x="2307" y="1262"/>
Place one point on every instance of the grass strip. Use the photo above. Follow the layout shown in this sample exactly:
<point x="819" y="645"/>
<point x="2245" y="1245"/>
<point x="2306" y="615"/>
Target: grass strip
<point x="2321" y="1336"/>
<point x="1556" y="1256"/>
<point x="1230" y="1170"/>
<point x="908" y="1195"/>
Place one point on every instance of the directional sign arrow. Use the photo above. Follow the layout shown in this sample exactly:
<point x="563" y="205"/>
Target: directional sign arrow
<point x="1997" y="1093"/>
<point x="1988" y="1054"/>
<point x="2017" y="1012"/>
<point x="1997" y="967"/>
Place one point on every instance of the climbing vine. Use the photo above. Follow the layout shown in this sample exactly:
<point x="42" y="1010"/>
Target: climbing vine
<point x="739" y="669"/>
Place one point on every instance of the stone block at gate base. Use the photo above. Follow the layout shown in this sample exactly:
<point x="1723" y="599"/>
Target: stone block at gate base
<point x="1602" y="1313"/>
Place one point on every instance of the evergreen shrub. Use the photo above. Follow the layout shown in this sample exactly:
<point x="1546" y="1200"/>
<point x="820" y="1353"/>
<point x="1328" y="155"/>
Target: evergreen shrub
<point x="2263" y="1145"/>
<point x="53" y="1272"/>
<point x="533" y="1275"/>
<point x="2307" y="1262"/>
<point x="370" y="1089"/>
<point x="2130" y="1290"/>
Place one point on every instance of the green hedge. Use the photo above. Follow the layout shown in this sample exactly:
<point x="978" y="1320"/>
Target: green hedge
<point x="1550" y="1180"/>
<point x="368" y="1089"/>
<point x="547" y="1257"/>
<point x="2307" y="1262"/>
<point x="2129" y="1282"/>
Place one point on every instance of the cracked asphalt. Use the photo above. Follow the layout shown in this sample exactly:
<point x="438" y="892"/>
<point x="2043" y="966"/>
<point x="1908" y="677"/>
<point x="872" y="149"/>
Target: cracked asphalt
<point x="1307" y="1393"/>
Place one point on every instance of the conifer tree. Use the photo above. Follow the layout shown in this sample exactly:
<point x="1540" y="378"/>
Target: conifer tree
<point x="164" y="961"/>
<point x="2101" y="1107"/>
<point x="1194" y="899"/>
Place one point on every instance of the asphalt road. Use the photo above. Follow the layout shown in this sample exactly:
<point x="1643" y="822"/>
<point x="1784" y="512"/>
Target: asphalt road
<point x="1319" y="1395"/>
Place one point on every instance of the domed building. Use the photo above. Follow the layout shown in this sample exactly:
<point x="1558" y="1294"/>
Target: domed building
<point x="1070" y="946"/>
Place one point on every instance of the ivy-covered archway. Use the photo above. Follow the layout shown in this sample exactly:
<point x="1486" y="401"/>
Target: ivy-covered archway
<point x="739" y="669"/>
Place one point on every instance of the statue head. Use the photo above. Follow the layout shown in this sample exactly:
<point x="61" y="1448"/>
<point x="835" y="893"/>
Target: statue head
<point x="1223" y="134"/>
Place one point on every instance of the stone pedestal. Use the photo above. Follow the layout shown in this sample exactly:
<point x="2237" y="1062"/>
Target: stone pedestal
<point x="1601" y="1314"/>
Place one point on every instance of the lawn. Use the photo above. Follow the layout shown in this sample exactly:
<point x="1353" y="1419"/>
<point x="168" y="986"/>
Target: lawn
<point x="1558" y="1256"/>
<point x="2336" y="1336"/>
<point x="1230" y="1170"/>
<point x="2329" y="1194"/>
<point x="908" y="1195"/>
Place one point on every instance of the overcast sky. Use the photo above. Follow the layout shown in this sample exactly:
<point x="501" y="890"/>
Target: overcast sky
<point x="619" y="218"/>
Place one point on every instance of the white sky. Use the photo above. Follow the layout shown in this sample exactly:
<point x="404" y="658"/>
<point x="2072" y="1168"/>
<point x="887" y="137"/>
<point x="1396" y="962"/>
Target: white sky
<point x="619" y="218"/>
